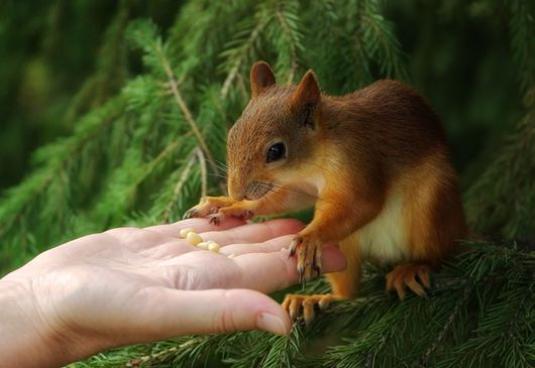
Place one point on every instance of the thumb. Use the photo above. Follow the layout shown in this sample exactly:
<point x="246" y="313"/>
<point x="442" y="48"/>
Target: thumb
<point x="181" y="312"/>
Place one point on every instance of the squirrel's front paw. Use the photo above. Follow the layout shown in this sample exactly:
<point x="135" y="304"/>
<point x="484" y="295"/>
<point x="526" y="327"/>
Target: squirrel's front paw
<point x="231" y="211"/>
<point x="308" y="250"/>
<point x="199" y="211"/>
<point x="208" y="206"/>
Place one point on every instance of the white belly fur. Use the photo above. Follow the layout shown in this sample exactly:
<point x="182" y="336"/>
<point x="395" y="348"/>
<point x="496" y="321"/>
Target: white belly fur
<point x="385" y="239"/>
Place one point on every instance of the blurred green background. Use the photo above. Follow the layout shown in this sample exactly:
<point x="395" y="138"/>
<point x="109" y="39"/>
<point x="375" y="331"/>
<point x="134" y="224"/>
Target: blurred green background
<point x="54" y="67"/>
<point x="49" y="70"/>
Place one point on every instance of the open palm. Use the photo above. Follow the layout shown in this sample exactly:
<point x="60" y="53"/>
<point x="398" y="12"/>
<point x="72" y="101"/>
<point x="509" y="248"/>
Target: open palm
<point x="131" y="285"/>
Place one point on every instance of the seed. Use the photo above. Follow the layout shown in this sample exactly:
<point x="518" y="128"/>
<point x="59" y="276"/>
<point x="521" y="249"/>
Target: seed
<point x="203" y="245"/>
<point x="193" y="238"/>
<point x="184" y="232"/>
<point x="213" y="247"/>
<point x="231" y="255"/>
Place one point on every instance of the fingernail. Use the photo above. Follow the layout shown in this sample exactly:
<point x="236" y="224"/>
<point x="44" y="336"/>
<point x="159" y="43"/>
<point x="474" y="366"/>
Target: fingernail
<point x="271" y="323"/>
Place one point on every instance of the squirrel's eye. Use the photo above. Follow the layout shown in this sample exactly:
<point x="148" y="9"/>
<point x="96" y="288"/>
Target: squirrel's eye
<point x="276" y="152"/>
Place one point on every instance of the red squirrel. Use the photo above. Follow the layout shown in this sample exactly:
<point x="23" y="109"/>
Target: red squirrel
<point x="374" y="164"/>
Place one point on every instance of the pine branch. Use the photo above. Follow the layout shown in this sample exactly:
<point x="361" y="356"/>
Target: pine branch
<point x="204" y="176"/>
<point x="185" y="110"/>
<point x="111" y="69"/>
<point x="184" y="175"/>
<point x="380" y="41"/>
<point x="242" y="46"/>
<point x="522" y="25"/>
<point x="290" y="24"/>
<point x="56" y="159"/>
<point x="490" y="207"/>
<point x="424" y="360"/>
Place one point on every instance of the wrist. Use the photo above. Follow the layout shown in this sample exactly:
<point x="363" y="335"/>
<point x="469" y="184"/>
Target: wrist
<point x="29" y="338"/>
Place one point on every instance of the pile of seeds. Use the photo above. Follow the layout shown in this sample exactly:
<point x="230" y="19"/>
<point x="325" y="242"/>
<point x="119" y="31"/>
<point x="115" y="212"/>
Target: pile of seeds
<point x="195" y="239"/>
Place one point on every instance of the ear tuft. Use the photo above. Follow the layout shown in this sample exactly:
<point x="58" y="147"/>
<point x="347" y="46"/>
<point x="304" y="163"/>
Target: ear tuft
<point x="262" y="77"/>
<point x="308" y="91"/>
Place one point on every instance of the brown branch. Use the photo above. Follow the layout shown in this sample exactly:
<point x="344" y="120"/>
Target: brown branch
<point x="138" y="362"/>
<point x="427" y="355"/>
<point x="293" y="48"/>
<point x="186" y="111"/>
<point x="204" y="176"/>
<point x="233" y="73"/>
<point x="178" y="187"/>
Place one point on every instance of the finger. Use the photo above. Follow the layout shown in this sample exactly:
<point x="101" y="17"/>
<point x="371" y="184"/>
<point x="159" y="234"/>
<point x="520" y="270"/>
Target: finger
<point x="199" y="225"/>
<point x="268" y="272"/>
<point x="255" y="233"/>
<point x="270" y="246"/>
<point x="178" y="312"/>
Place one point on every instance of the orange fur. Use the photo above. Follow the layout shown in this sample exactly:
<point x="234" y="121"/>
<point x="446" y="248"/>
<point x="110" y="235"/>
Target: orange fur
<point x="374" y="163"/>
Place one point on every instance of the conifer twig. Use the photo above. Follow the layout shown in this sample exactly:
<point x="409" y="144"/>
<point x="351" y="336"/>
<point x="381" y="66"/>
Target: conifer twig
<point x="233" y="73"/>
<point x="293" y="47"/>
<point x="186" y="111"/>
<point x="136" y="362"/>
<point x="427" y="355"/>
<point x="57" y="165"/>
<point x="204" y="176"/>
<point x="180" y="183"/>
<point x="154" y="163"/>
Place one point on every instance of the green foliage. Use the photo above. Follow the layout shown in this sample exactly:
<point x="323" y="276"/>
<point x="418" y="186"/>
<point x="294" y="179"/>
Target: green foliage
<point x="522" y="24"/>
<point x="502" y="199"/>
<point x="480" y="313"/>
<point x="144" y="137"/>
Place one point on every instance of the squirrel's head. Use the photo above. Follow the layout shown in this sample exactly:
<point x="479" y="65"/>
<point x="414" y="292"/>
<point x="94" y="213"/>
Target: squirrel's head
<point x="274" y="136"/>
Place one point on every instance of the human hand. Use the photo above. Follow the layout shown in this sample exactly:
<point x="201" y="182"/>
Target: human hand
<point x="132" y="285"/>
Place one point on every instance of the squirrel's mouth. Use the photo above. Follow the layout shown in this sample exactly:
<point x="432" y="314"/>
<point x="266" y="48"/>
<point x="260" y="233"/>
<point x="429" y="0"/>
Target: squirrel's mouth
<point x="257" y="189"/>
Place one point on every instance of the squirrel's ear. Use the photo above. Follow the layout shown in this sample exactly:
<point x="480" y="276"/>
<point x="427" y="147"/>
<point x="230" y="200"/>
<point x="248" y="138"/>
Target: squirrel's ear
<point x="261" y="77"/>
<point x="306" y="97"/>
<point x="308" y="91"/>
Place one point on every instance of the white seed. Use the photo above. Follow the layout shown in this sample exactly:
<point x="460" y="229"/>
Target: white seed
<point x="231" y="255"/>
<point x="193" y="238"/>
<point x="213" y="247"/>
<point x="203" y="245"/>
<point x="184" y="232"/>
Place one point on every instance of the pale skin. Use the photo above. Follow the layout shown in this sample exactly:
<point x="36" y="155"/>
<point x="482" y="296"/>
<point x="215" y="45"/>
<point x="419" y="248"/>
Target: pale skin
<point x="132" y="285"/>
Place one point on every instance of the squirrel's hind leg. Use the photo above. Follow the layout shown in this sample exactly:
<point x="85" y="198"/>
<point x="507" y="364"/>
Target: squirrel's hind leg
<point x="344" y="285"/>
<point x="414" y="276"/>
<point x="298" y="304"/>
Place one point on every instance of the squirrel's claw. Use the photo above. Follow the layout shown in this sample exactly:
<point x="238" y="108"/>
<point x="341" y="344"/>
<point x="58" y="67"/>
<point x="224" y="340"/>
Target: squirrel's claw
<point x="208" y="206"/>
<point x="293" y="245"/>
<point x="215" y="218"/>
<point x="308" y="252"/>
<point x="200" y="211"/>
<point x="192" y="212"/>
<point x="405" y="276"/>
<point x="304" y="305"/>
